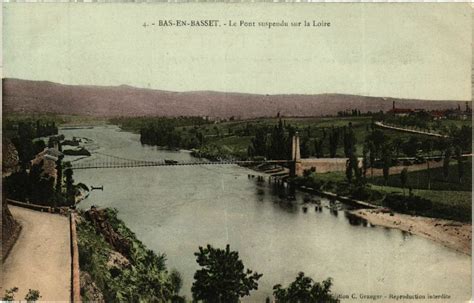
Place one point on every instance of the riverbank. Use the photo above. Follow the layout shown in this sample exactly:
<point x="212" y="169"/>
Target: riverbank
<point x="452" y="234"/>
<point x="116" y="266"/>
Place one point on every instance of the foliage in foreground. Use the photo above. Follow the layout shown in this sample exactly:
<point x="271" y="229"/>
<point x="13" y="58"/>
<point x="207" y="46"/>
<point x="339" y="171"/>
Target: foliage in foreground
<point x="144" y="278"/>
<point x="222" y="278"/>
<point x="304" y="290"/>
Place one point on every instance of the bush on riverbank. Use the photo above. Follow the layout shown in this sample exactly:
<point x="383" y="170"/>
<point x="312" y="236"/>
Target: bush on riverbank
<point x="119" y="265"/>
<point x="335" y="184"/>
<point x="77" y="152"/>
<point x="402" y="203"/>
<point x="451" y="205"/>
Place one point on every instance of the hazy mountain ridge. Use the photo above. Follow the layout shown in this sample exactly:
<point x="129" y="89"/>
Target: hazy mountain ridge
<point x="25" y="96"/>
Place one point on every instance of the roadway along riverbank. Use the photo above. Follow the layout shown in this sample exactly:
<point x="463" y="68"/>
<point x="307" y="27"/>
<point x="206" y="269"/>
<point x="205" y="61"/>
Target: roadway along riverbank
<point x="408" y="130"/>
<point x="41" y="258"/>
<point x="452" y="234"/>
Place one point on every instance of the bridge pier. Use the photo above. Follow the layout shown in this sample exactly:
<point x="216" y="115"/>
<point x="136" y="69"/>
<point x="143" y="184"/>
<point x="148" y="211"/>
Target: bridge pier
<point x="295" y="164"/>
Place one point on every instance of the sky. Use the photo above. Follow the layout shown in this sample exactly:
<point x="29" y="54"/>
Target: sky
<point x="418" y="51"/>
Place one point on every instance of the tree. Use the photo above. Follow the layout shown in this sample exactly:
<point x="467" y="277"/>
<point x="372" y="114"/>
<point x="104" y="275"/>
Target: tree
<point x="355" y="166"/>
<point x="427" y="146"/>
<point x="17" y="185"/>
<point x="33" y="295"/>
<point x="38" y="146"/>
<point x="176" y="284"/>
<point x="352" y="167"/>
<point x="460" y="163"/>
<point x="318" y="148"/>
<point x="34" y="178"/>
<point x="70" y="191"/>
<point x="59" y="177"/>
<point x="278" y="143"/>
<point x="305" y="290"/>
<point x="397" y="144"/>
<point x="365" y="160"/>
<point x="349" y="140"/>
<point x="349" y="170"/>
<point x="372" y="154"/>
<point x="259" y="143"/>
<point x="410" y="147"/>
<point x="304" y="148"/>
<point x="404" y="179"/>
<point x="462" y="137"/>
<point x="222" y="278"/>
<point x="333" y="142"/>
<point x="378" y="139"/>
<point x="446" y="160"/>
<point x="387" y="161"/>
<point x="10" y="294"/>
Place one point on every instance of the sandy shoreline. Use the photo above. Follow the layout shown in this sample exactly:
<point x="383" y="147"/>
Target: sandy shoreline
<point x="452" y="234"/>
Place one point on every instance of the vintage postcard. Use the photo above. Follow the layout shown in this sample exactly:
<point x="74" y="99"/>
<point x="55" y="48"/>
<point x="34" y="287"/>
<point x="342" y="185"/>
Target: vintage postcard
<point x="237" y="152"/>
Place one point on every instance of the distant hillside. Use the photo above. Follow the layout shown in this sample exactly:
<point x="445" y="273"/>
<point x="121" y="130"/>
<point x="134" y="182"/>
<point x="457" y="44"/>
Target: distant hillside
<point x="23" y="96"/>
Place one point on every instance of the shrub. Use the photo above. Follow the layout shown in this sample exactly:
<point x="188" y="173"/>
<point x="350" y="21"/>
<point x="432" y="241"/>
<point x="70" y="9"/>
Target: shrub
<point x="33" y="295"/>
<point x="404" y="204"/>
<point x="304" y="289"/>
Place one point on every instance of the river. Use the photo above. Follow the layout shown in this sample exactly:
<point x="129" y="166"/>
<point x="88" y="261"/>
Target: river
<point x="176" y="209"/>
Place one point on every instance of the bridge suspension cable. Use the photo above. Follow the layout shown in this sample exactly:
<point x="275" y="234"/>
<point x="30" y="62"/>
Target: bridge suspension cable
<point x="111" y="161"/>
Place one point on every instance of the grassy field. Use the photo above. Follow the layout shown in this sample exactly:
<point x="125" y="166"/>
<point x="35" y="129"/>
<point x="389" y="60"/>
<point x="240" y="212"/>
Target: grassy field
<point x="308" y="127"/>
<point x="232" y="136"/>
<point x="233" y="144"/>
<point x="331" y="177"/>
<point x="419" y="179"/>
<point x="447" y="204"/>
<point x="311" y="128"/>
<point x="457" y="123"/>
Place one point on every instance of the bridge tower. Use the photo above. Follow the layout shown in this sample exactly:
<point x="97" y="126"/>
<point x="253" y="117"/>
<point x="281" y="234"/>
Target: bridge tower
<point x="295" y="165"/>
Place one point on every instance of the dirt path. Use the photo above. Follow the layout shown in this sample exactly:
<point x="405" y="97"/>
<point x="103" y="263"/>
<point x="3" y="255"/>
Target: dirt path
<point x="408" y="130"/>
<point x="452" y="234"/>
<point x="40" y="259"/>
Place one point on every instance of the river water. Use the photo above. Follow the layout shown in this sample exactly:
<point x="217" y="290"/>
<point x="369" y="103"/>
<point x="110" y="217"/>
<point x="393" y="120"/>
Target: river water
<point x="176" y="209"/>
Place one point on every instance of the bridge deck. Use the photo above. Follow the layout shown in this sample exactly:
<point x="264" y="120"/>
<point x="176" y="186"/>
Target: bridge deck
<point x="106" y="164"/>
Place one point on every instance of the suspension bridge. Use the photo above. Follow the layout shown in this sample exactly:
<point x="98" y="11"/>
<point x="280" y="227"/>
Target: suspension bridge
<point x="102" y="160"/>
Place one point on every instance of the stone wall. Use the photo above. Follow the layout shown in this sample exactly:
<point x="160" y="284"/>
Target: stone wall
<point x="322" y="165"/>
<point x="10" y="229"/>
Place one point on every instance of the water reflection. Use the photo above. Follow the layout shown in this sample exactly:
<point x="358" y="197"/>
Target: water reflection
<point x="355" y="220"/>
<point x="406" y="235"/>
<point x="289" y="199"/>
<point x="288" y="206"/>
